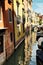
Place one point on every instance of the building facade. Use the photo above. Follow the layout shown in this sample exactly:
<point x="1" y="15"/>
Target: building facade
<point x="6" y="29"/>
<point x="18" y="22"/>
<point x="14" y="20"/>
<point x="28" y="8"/>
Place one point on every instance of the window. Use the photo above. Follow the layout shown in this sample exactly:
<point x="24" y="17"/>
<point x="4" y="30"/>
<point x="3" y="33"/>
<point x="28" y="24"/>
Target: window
<point x="30" y="2"/>
<point x="22" y="0"/>
<point x="10" y="15"/>
<point x="23" y="15"/>
<point x="18" y="33"/>
<point x="18" y="19"/>
<point x="19" y="30"/>
<point x="18" y="16"/>
<point x="11" y="36"/>
<point x="9" y="1"/>
<point x="23" y="27"/>
<point x="17" y="8"/>
<point x="23" y="18"/>
<point x="1" y="44"/>
<point x="0" y="13"/>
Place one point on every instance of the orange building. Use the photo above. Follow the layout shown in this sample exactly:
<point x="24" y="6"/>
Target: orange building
<point x="6" y="29"/>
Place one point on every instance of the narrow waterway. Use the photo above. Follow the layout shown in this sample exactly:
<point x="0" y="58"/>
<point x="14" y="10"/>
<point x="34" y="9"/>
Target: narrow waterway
<point x="19" y="55"/>
<point x="33" y="56"/>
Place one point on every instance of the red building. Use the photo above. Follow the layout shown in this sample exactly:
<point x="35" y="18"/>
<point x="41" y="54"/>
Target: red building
<point x="6" y="29"/>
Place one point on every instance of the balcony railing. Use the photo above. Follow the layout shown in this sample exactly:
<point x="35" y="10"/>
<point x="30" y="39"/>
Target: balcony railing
<point x="18" y="19"/>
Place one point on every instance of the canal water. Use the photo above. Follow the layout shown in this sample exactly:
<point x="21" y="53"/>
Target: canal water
<point x="19" y="55"/>
<point x="33" y="56"/>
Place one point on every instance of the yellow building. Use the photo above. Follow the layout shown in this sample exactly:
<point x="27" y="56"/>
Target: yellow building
<point x="28" y="8"/>
<point x="22" y="9"/>
<point x="35" y="23"/>
<point x="18" y="21"/>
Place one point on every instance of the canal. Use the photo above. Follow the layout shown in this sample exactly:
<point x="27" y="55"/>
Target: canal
<point x="33" y="56"/>
<point x="18" y="56"/>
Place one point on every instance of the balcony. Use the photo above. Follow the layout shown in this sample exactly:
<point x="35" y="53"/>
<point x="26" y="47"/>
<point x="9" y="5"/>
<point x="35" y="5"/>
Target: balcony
<point x="18" y="19"/>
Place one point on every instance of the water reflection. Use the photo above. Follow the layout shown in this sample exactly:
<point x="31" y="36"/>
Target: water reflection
<point x="18" y="56"/>
<point x="27" y="49"/>
<point x="21" y="55"/>
<point x="33" y="58"/>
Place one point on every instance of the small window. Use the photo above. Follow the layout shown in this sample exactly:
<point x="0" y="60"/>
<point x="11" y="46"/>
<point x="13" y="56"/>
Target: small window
<point x="10" y="15"/>
<point x="11" y="36"/>
<point x="17" y="8"/>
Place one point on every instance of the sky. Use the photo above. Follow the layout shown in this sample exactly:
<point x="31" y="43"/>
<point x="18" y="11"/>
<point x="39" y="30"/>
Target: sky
<point x="37" y="6"/>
